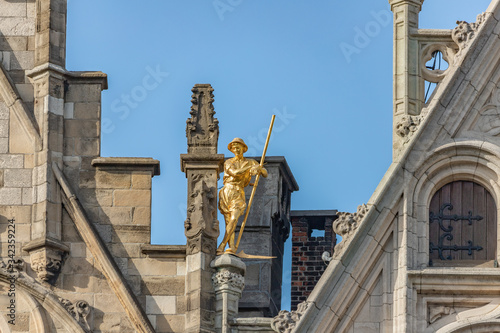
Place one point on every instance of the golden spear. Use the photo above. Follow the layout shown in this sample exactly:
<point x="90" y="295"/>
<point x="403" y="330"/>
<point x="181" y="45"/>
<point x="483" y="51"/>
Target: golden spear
<point x="256" y="183"/>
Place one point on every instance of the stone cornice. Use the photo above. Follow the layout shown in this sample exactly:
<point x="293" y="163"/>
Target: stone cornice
<point x="45" y="242"/>
<point x="164" y="251"/>
<point x="202" y="161"/>
<point x="284" y="168"/>
<point x="96" y="77"/>
<point x="128" y="163"/>
<point x="415" y="3"/>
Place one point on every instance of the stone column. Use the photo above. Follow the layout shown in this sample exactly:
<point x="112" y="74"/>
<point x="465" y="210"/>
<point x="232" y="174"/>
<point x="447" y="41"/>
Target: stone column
<point x="202" y="166"/>
<point x="46" y="249"/>
<point x="408" y="86"/>
<point x="228" y="283"/>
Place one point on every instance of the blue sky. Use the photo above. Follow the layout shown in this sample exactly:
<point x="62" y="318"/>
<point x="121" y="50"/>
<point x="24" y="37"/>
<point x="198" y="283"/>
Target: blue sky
<point x="324" y="67"/>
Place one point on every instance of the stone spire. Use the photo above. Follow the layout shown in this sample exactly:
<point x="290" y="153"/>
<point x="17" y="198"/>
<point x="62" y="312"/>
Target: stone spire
<point x="202" y="129"/>
<point x="202" y="166"/>
<point x="408" y="87"/>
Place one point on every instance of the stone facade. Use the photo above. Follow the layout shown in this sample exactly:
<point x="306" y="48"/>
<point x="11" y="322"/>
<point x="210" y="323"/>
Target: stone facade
<point x="422" y="254"/>
<point x="75" y="227"/>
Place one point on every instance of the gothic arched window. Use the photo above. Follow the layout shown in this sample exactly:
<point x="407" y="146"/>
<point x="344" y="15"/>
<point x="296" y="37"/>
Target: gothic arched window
<point x="462" y="225"/>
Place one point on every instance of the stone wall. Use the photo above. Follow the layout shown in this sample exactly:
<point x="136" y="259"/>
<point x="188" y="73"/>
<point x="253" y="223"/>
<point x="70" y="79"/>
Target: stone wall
<point x="80" y="254"/>
<point x="307" y="250"/>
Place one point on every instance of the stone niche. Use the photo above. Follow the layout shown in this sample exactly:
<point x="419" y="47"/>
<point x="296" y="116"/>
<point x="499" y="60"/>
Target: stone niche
<point x="265" y="233"/>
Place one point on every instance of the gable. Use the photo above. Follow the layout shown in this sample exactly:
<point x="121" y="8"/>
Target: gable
<point x="456" y="138"/>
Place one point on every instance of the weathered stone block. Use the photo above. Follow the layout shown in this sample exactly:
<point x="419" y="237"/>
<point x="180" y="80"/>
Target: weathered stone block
<point x="161" y="285"/>
<point x="148" y="267"/>
<point x="141" y="180"/>
<point x="141" y="216"/>
<point x="131" y="234"/>
<point x="105" y="321"/>
<point x="22" y="60"/>
<point x="172" y="323"/>
<point x="4" y="128"/>
<point x="11" y="161"/>
<point x="87" y="147"/>
<point x="115" y="215"/>
<point x="105" y="232"/>
<point x="80" y="283"/>
<point x="87" y="110"/>
<point x="22" y="214"/>
<point x="4" y="145"/>
<point x="105" y="179"/>
<point x="72" y="265"/>
<point x="26" y="92"/>
<point x="4" y="111"/>
<point x="17" y="177"/>
<point x="108" y="303"/>
<point x="160" y="305"/>
<point x="10" y="196"/>
<point x="132" y="198"/>
<point x="27" y="196"/>
<point x="81" y="128"/>
<point x="78" y="250"/>
<point x="126" y="250"/>
<point x="19" y="43"/>
<point x="96" y="197"/>
<point x="12" y="9"/>
<point x="83" y="93"/>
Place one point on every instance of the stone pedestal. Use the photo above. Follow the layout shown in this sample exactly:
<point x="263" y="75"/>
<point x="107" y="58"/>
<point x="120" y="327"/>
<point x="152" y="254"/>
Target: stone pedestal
<point x="228" y="283"/>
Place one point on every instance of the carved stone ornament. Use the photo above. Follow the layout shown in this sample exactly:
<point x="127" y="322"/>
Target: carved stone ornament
<point x="202" y="129"/>
<point x="488" y="117"/>
<point x="437" y="312"/>
<point x="408" y="125"/>
<point x="201" y="222"/>
<point x="286" y="321"/>
<point x="46" y="268"/>
<point x="79" y="310"/>
<point x="234" y="280"/>
<point x="464" y="33"/>
<point x="12" y="267"/>
<point x="326" y="257"/>
<point x="345" y="226"/>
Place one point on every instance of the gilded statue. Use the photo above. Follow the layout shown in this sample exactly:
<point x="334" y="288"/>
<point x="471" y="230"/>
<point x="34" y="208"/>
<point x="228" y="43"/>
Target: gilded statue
<point x="238" y="172"/>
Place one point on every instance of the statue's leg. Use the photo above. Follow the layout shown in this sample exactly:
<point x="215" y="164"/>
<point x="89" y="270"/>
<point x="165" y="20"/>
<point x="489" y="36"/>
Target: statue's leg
<point x="235" y="215"/>
<point x="222" y="245"/>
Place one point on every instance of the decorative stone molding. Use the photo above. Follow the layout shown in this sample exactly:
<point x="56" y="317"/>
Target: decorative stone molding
<point x="235" y="280"/>
<point x="326" y="257"/>
<point x="408" y="125"/>
<point x="345" y="226"/>
<point x="228" y="281"/>
<point x="464" y="33"/>
<point x="79" y="310"/>
<point x="202" y="129"/>
<point x="286" y="321"/>
<point x="487" y="120"/>
<point x="46" y="268"/>
<point x="13" y="266"/>
<point x="46" y="256"/>
<point x="448" y="51"/>
<point x="437" y="312"/>
<point x="201" y="215"/>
